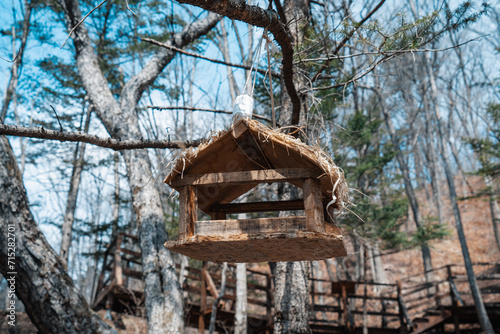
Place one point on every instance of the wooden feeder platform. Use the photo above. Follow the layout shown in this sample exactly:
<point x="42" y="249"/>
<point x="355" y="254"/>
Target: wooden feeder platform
<point x="231" y="164"/>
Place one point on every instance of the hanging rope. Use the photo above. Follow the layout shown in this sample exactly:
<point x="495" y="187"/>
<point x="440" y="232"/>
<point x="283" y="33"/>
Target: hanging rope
<point x="243" y="105"/>
<point x="268" y="41"/>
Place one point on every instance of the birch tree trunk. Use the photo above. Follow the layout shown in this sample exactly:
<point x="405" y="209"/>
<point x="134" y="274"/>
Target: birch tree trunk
<point x="241" y="321"/>
<point x="51" y="299"/>
<point x="116" y="200"/>
<point x="223" y="46"/>
<point x="410" y="192"/>
<point x="495" y="210"/>
<point x="378" y="272"/>
<point x="16" y="65"/>
<point x="162" y="290"/>
<point x="476" y="294"/>
<point x="436" y="190"/>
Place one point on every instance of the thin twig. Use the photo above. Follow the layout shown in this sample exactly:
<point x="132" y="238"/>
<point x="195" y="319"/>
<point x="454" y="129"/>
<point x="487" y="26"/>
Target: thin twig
<point x="10" y="61"/>
<point x="357" y="77"/>
<point x="268" y="41"/>
<point x="130" y="9"/>
<point x="197" y="55"/>
<point x="347" y="37"/>
<point x="58" y="121"/>
<point x="387" y="52"/>
<point x="111" y="143"/>
<point x="205" y="109"/>
<point x="81" y="21"/>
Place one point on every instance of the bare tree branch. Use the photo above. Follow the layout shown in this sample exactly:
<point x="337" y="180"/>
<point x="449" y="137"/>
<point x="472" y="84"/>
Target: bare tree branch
<point x="207" y="110"/>
<point x="257" y="16"/>
<point x="357" y="76"/>
<point x="133" y="89"/>
<point x="81" y="21"/>
<point x="387" y="52"/>
<point x="196" y="55"/>
<point x="346" y="38"/>
<point x="114" y="144"/>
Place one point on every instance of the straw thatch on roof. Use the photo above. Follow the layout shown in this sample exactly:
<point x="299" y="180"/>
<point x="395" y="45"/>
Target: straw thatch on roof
<point x="264" y="148"/>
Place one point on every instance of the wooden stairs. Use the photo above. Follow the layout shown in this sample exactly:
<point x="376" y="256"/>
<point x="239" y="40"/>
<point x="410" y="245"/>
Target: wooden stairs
<point x="409" y="306"/>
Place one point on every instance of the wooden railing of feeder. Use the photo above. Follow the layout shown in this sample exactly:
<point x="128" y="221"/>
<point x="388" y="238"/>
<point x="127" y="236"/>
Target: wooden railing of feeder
<point x="296" y="238"/>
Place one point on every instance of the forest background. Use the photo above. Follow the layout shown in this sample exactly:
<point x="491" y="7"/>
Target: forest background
<point x="404" y="95"/>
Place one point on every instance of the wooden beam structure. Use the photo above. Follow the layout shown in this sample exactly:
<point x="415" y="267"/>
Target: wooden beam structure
<point x="249" y="207"/>
<point x="249" y="226"/>
<point x="252" y="176"/>
<point x="292" y="238"/>
<point x="313" y="205"/>
<point x="188" y="211"/>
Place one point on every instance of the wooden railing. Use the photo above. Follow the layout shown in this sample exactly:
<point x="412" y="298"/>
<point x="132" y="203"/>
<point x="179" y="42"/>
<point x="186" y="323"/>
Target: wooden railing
<point x="203" y="291"/>
<point x="353" y="305"/>
<point x="118" y="261"/>
<point x="407" y="306"/>
<point x="400" y="307"/>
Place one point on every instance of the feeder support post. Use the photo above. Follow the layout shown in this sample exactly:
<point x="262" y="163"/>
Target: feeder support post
<point x="313" y="205"/>
<point x="188" y="207"/>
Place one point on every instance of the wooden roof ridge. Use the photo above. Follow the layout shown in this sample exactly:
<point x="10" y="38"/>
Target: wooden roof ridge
<point x="306" y="156"/>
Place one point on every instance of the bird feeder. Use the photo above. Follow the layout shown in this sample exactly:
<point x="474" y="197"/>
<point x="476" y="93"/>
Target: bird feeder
<point x="233" y="162"/>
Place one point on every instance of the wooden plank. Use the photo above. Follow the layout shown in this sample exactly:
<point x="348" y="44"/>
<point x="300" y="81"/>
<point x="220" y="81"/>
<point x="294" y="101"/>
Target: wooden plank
<point x="132" y="273"/>
<point x="250" y="148"/>
<point x="332" y="229"/>
<point x="210" y="283"/>
<point x="258" y="206"/>
<point x="102" y="294"/>
<point x="250" y="226"/>
<point x="313" y="205"/>
<point x="188" y="208"/>
<point x="131" y="252"/>
<point x="131" y="236"/>
<point x="239" y="128"/>
<point x="252" y="176"/>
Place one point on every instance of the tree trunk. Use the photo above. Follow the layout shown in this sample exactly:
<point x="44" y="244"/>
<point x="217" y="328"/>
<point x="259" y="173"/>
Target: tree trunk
<point x="162" y="290"/>
<point x="223" y="46"/>
<point x="378" y="273"/>
<point x="292" y="298"/>
<point x="16" y="65"/>
<point x="410" y="193"/>
<point x="116" y="199"/>
<point x="240" y="326"/>
<point x="436" y="190"/>
<point x="51" y="299"/>
<point x="292" y="278"/>
<point x="495" y="210"/>
<point x="74" y="186"/>
<point x="476" y="294"/>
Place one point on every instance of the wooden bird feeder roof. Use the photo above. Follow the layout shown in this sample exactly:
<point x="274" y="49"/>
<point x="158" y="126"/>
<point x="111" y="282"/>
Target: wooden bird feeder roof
<point x="231" y="163"/>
